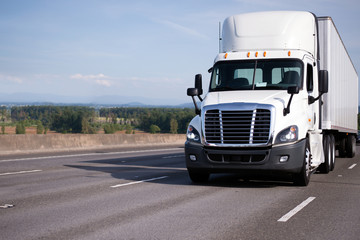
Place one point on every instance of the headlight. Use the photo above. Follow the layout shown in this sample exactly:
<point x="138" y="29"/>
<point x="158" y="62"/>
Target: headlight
<point x="287" y="135"/>
<point x="192" y="134"/>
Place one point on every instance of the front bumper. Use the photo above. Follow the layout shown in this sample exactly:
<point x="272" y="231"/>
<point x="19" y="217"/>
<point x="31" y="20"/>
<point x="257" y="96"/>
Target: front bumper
<point x="246" y="160"/>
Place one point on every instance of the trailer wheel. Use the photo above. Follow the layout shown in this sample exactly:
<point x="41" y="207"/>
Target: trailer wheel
<point x="326" y="165"/>
<point x="342" y="147"/>
<point x="350" y="146"/>
<point x="333" y="153"/>
<point x="198" y="176"/>
<point x="303" y="178"/>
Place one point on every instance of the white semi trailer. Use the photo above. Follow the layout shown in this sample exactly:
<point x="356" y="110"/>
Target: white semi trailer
<point x="283" y="96"/>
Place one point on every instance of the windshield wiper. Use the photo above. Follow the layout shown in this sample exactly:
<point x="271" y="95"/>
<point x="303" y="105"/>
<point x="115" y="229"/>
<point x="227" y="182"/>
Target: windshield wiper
<point x="253" y="81"/>
<point x="271" y="88"/>
<point x="223" y="88"/>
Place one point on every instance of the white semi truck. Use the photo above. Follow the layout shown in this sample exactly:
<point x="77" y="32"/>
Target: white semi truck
<point x="283" y="97"/>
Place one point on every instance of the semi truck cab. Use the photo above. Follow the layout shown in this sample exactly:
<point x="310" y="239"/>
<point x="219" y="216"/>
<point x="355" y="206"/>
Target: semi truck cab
<point x="262" y="114"/>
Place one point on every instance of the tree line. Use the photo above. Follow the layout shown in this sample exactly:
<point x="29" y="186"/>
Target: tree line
<point x="79" y="119"/>
<point x="167" y="120"/>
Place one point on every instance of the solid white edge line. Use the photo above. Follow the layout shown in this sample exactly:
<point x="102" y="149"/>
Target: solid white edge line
<point x="131" y="183"/>
<point x="21" y="172"/>
<point x="88" y="154"/>
<point x="352" y="166"/>
<point x="298" y="208"/>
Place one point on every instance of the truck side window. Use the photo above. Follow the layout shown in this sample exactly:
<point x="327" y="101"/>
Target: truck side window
<point x="309" y="78"/>
<point x="216" y="78"/>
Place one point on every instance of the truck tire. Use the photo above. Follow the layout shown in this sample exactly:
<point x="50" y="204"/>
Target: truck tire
<point x="333" y="153"/>
<point x="350" y="146"/>
<point x="326" y="165"/>
<point x="198" y="176"/>
<point x="303" y="177"/>
<point x="342" y="147"/>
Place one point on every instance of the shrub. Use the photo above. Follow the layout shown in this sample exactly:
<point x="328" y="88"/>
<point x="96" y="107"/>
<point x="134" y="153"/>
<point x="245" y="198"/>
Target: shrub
<point x="109" y="128"/>
<point x="20" y="128"/>
<point x="154" y="129"/>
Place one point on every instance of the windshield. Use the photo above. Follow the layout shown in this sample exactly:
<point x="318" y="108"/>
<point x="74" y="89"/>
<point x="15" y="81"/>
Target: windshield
<point x="256" y="75"/>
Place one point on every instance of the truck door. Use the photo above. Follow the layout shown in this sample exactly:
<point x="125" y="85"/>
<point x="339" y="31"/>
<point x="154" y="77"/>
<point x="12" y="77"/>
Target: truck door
<point x="311" y="87"/>
<point x="315" y="133"/>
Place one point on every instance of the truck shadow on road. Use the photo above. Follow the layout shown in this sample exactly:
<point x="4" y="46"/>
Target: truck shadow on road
<point x="173" y="167"/>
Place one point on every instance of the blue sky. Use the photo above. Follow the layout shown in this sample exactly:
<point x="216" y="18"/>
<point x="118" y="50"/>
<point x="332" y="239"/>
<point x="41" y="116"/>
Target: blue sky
<point x="148" y="49"/>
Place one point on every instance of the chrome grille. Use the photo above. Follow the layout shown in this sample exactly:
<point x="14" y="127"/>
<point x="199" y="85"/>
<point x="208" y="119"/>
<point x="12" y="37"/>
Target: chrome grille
<point x="237" y="127"/>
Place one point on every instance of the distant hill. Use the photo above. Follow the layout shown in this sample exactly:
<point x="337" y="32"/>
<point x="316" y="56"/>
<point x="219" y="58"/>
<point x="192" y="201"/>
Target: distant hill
<point x="97" y="101"/>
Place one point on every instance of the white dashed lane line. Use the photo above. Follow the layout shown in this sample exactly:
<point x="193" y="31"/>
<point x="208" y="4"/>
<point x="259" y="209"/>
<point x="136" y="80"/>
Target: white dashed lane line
<point x="142" y="181"/>
<point x="21" y="172"/>
<point x="174" y="156"/>
<point x="352" y="166"/>
<point x="297" y="209"/>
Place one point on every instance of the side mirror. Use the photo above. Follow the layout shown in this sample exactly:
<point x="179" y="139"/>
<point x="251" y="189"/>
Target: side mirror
<point x="323" y="81"/>
<point x="196" y="91"/>
<point x="291" y="90"/>
<point x="192" y="92"/>
<point x="323" y="85"/>
<point x="198" y="84"/>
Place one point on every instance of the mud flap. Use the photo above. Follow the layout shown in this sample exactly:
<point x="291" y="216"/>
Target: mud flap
<point x="316" y="148"/>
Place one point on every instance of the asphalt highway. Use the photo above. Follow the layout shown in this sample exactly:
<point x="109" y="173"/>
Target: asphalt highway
<point x="147" y="194"/>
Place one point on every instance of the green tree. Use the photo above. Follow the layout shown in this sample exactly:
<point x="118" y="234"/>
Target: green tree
<point x="3" y="114"/>
<point x="154" y="129"/>
<point x="173" y="126"/>
<point x="114" y="118"/>
<point x="87" y="127"/>
<point x="3" y="129"/>
<point x="20" y="128"/>
<point x="128" y="129"/>
<point x="39" y="127"/>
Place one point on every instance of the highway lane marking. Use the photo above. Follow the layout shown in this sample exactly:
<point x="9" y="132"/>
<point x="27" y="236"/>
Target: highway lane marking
<point x="152" y="167"/>
<point x="297" y="209"/>
<point x="174" y="156"/>
<point x="88" y="154"/>
<point x="352" y="166"/>
<point x="136" y="182"/>
<point x="7" y="206"/>
<point x="21" y="172"/>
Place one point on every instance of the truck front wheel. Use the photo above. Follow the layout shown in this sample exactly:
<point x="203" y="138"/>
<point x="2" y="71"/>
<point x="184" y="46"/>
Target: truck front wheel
<point x="198" y="176"/>
<point x="303" y="177"/>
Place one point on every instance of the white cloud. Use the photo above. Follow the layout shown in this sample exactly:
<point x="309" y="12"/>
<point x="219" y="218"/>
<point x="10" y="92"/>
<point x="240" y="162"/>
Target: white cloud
<point x="103" y="82"/>
<point x="158" y="80"/>
<point x="88" y="77"/>
<point x="88" y="53"/>
<point x="9" y="78"/>
<point x="183" y="29"/>
<point x="99" y="79"/>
